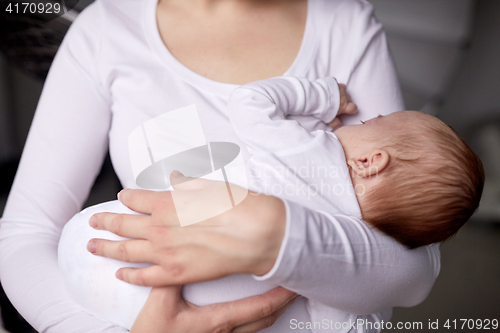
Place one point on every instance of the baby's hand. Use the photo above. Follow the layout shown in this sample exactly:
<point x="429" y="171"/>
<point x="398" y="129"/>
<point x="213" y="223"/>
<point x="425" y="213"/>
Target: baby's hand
<point x="346" y="107"/>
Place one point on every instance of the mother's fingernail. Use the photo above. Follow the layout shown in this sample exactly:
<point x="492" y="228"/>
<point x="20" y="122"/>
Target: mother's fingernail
<point x="93" y="221"/>
<point x="92" y="247"/>
<point x="119" y="275"/>
<point x="118" y="195"/>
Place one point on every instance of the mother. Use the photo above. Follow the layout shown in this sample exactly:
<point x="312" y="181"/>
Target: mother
<point x="124" y="62"/>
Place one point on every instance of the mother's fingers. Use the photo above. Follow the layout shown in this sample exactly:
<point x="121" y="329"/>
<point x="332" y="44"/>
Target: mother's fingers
<point x="169" y="296"/>
<point x="254" y="308"/>
<point x="125" y="225"/>
<point x="151" y="276"/>
<point x="265" y="322"/>
<point x="129" y="251"/>
<point x="144" y="201"/>
<point x="176" y="265"/>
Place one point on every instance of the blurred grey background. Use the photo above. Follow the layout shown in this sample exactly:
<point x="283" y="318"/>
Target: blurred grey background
<point x="447" y="54"/>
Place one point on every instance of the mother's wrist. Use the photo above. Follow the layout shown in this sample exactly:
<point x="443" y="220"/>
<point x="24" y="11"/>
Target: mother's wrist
<point x="271" y="219"/>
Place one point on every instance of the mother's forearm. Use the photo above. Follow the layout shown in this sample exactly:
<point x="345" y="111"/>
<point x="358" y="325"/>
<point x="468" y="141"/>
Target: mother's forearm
<point x="343" y="263"/>
<point x="336" y="260"/>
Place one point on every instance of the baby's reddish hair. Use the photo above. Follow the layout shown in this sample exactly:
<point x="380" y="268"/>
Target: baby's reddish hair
<point x="430" y="188"/>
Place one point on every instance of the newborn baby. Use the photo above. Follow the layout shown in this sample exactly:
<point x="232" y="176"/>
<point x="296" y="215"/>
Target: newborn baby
<point x="415" y="178"/>
<point x="407" y="174"/>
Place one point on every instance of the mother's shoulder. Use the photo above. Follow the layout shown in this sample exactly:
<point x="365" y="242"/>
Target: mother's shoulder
<point x="105" y="17"/>
<point x="109" y="9"/>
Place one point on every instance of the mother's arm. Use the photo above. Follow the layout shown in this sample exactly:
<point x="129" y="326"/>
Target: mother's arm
<point x="65" y="148"/>
<point x="339" y="261"/>
<point x="336" y="260"/>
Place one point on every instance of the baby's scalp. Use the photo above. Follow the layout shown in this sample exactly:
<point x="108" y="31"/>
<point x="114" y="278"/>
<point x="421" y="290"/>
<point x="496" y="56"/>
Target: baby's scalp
<point x="431" y="186"/>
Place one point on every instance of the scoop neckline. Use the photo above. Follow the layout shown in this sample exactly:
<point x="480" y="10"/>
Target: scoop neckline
<point x="152" y="33"/>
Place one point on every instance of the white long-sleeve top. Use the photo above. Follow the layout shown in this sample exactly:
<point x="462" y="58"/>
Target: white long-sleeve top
<point x="113" y="73"/>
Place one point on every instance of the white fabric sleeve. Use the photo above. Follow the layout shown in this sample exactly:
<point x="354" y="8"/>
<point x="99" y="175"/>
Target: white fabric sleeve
<point x="338" y="260"/>
<point x="341" y="262"/>
<point x="65" y="148"/>
<point x="258" y="110"/>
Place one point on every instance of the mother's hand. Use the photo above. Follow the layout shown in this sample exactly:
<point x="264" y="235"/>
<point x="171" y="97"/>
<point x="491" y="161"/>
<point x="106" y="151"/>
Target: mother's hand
<point x="165" y="310"/>
<point x="244" y="240"/>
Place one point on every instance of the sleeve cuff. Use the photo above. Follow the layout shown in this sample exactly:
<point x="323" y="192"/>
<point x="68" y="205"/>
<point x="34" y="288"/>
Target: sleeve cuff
<point x="334" y="94"/>
<point x="291" y="247"/>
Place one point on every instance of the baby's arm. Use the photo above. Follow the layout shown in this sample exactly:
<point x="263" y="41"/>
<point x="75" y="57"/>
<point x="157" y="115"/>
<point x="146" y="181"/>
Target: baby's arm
<point x="258" y="110"/>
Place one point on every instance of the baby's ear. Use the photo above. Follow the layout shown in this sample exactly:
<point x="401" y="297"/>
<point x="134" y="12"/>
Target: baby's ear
<point x="370" y="165"/>
<point x="379" y="160"/>
<point x="359" y="166"/>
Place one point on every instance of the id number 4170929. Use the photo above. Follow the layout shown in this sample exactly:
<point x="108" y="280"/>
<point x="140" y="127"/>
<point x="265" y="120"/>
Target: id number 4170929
<point x="40" y="7"/>
<point x="478" y="324"/>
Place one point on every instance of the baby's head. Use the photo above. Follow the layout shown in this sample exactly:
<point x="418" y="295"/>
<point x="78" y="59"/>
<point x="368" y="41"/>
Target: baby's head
<point x="415" y="178"/>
